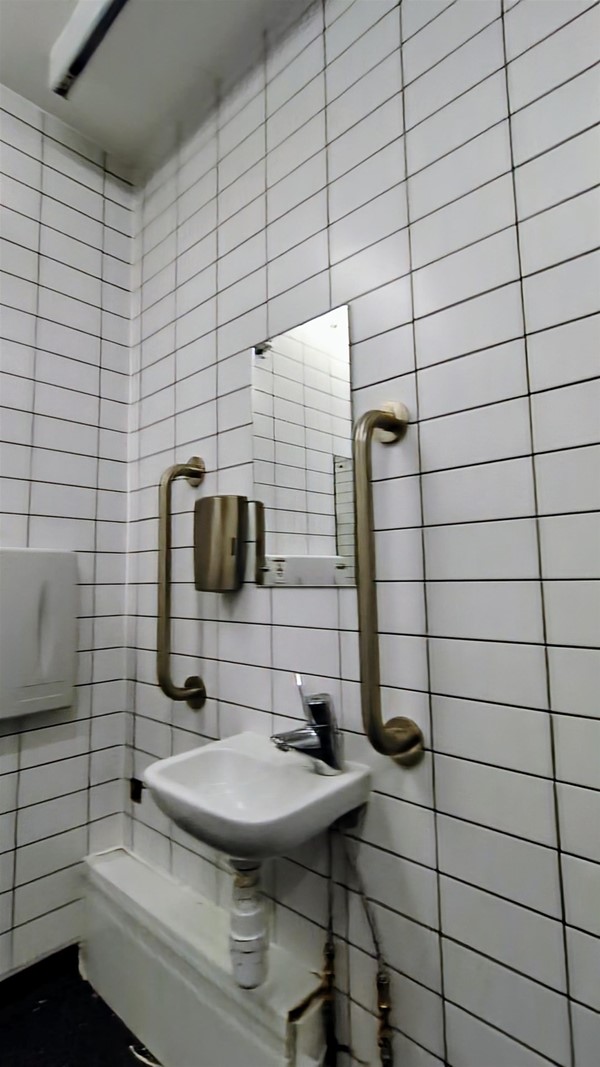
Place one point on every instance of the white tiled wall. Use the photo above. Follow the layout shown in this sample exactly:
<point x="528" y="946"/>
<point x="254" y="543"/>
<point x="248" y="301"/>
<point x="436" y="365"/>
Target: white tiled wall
<point x="434" y="165"/>
<point x="64" y="329"/>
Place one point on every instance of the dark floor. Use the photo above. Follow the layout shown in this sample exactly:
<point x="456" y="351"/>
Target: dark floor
<point x="50" y="1017"/>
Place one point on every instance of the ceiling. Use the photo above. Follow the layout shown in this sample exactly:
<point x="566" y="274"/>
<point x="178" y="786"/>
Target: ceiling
<point x="159" y="59"/>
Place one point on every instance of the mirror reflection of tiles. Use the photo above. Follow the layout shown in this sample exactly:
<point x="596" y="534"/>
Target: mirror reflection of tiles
<point x="302" y="430"/>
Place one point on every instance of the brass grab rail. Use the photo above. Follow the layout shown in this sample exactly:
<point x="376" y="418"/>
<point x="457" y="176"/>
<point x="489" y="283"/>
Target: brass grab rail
<point x="193" y="689"/>
<point x="399" y="738"/>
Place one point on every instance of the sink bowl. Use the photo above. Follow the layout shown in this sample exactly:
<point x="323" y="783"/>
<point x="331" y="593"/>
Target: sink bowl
<point x="246" y="798"/>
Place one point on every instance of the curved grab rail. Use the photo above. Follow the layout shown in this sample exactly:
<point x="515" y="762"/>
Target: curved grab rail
<point x="399" y="738"/>
<point x="193" y="689"/>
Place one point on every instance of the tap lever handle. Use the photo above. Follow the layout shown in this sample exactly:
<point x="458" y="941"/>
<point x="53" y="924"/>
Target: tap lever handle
<point x="303" y="697"/>
<point x="317" y="707"/>
<point x="320" y="737"/>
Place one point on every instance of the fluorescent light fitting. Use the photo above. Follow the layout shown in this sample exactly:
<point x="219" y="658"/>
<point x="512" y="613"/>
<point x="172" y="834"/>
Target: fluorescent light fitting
<point x="82" y="35"/>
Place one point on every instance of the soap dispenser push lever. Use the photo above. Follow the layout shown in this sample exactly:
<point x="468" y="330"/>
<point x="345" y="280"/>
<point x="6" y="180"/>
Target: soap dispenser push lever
<point x="320" y="738"/>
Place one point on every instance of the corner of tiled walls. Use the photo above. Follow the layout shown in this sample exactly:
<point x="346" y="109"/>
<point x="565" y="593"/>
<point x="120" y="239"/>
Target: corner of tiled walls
<point x="64" y="380"/>
<point x="458" y="217"/>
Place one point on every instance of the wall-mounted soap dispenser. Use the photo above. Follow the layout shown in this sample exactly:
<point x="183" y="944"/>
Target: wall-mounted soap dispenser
<point x="220" y="532"/>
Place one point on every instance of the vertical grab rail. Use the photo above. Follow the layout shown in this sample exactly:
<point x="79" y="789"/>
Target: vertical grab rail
<point x="193" y="689"/>
<point x="399" y="738"/>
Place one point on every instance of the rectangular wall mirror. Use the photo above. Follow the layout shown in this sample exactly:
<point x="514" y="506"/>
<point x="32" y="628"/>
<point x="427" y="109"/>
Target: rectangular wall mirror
<point x="302" y="441"/>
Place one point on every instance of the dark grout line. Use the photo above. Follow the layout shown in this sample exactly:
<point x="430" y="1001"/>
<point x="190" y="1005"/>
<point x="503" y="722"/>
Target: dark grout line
<point x="497" y="1029"/>
<point x="65" y="233"/>
<point x="51" y="911"/>
<point x="87" y="755"/>
<point x="78" y="270"/>
<point x="554" y="33"/>
<point x="101" y="168"/>
<point x="411" y="36"/>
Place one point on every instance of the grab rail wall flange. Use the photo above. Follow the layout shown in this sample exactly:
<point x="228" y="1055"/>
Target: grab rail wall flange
<point x="193" y="690"/>
<point x="400" y="738"/>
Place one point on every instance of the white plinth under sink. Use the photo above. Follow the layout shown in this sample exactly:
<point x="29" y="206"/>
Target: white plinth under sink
<point x="158" y="954"/>
<point x="250" y="800"/>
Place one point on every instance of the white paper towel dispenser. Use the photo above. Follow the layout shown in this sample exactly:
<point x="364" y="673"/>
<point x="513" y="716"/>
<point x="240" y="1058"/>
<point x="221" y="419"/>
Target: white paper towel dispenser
<point x="38" y="630"/>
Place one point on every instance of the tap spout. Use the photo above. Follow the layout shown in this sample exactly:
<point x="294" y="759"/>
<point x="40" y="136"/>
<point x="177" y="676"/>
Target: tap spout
<point x="303" y="739"/>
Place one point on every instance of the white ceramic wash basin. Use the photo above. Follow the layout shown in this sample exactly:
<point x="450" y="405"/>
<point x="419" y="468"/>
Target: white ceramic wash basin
<point x="246" y="798"/>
